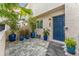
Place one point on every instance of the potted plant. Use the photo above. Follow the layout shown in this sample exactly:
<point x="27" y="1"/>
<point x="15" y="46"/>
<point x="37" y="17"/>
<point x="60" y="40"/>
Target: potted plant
<point x="27" y="32"/>
<point x="22" y="35"/>
<point x="46" y="34"/>
<point x="12" y="12"/>
<point x="13" y="29"/>
<point x="32" y="23"/>
<point x="70" y="45"/>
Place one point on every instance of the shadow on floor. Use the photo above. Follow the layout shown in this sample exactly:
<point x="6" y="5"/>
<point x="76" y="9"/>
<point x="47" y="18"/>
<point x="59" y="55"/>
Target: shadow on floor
<point x="55" y="49"/>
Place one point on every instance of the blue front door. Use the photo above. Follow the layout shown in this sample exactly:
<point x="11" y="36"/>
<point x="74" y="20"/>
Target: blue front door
<point x="58" y="28"/>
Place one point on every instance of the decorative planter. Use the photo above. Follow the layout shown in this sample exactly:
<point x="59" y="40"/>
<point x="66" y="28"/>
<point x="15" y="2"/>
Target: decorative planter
<point x="22" y="38"/>
<point x="12" y="37"/>
<point x="71" y="50"/>
<point x="27" y="36"/>
<point x="45" y="38"/>
<point x="33" y="35"/>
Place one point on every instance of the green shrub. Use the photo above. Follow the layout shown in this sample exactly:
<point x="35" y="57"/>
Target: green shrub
<point x="46" y="32"/>
<point x="70" y="42"/>
<point x="32" y="23"/>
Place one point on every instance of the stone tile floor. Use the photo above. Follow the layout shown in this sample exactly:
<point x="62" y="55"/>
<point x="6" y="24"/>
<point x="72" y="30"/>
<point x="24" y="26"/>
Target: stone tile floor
<point x="29" y="47"/>
<point x="55" y="49"/>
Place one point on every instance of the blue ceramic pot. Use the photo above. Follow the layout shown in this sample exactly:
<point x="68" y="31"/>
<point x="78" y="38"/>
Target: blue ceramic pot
<point x="33" y="35"/>
<point x="22" y="38"/>
<point x="45" y="38"/>
<point x="27" y="36"/>
<point x="71" y="50"/>
<point x="12" y="37"/>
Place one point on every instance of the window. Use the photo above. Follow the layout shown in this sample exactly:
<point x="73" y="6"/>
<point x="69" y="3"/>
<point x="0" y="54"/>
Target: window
<point x="39" y="24"/>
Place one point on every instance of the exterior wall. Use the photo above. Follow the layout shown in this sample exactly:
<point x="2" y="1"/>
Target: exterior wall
<point x="2" y="43"/>
<point x="46" y="21"/>
<point x="3" y="40"/>
<point x="72" y="20"/>
<point x="39" y="8"/>
<point x="71" y="12"/>
<point x="46" y="11"/>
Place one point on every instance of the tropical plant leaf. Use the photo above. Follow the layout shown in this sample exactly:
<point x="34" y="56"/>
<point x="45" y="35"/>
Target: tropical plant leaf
<point x="24" y="11"/>
<point x="10" y="15"/>
<point x="7" y="10"/>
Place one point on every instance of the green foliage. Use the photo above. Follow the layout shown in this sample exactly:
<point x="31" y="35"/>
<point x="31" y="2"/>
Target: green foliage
<point x="9" y="6"/>
<point x="46" y="32"/>
<point x="24" y="11"/>
<point x="7" y="10"/>
<point x="70" y="42"/>
<point x="32" y="22"/>
<point x="13" y="24"/>
<point x="1" y="23"/>
<point x="7" y="14"/>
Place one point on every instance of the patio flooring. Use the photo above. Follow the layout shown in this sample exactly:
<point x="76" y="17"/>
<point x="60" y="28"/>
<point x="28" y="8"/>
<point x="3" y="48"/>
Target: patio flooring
<point x="29" y="47"/>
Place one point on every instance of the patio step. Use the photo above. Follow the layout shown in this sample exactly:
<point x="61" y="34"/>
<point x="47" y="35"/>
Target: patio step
<point x="55" y="49"/>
